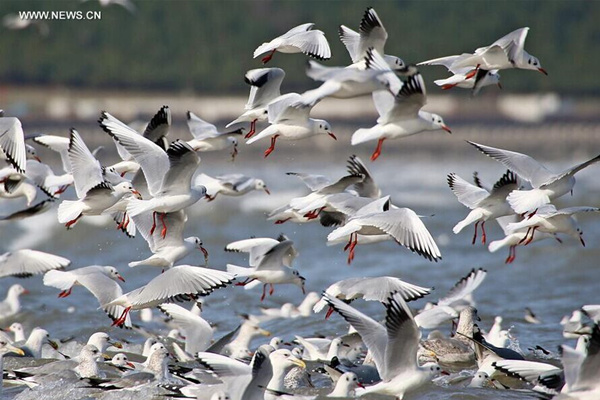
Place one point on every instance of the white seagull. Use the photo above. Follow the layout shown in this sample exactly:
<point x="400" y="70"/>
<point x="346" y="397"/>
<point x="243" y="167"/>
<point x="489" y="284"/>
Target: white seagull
<point x="198" y="333"/>
<point x="168" y="174"/>
<point x="393" y="346"/>
<point x="400" y="115"/>
<point x="208" y="138"/>
<point x="547" y="185"/>
<point x="101" y="281"/>
<point x="301" y="39"/>
<point x="24" y="263"/>
<point x="12" y="142"/>
<point x="265" y="86"/>
<point x="167" y="250"/>
<point x="484" y="204"/>
<point x="11" y="304"/>
<point x="402" y="225"/>
<point x="94" y="192"/>
<point x="290" y="120"/>
<point x="176" y="284"/>
<point x="229" y="185"/>
<point x="506" y="52"/>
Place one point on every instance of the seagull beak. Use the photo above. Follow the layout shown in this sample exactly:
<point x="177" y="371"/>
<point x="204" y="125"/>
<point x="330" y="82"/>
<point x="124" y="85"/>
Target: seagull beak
<point x="297" y="362"/>
<point x="120" y="278"/>
<point x="267" y="190"/>
<point x="118" y="345"/>
<point x="445" y="372"/>
<point x="446" y="128"/>
<point x="25" y="291"/>
<point x="137" y="194"/>
<point x="264" y="332"/>
<point x="499" y="85"/>
<point x="53" y="344"/>
<point x="332" y="135"/>
<point x="360" y="385"/>
<point x="40" y="160"/>
<point x="543" y="71"/>
<point x="130" y="365"/>
<point x="14" y="349"/>
<point x="205" y="252"/>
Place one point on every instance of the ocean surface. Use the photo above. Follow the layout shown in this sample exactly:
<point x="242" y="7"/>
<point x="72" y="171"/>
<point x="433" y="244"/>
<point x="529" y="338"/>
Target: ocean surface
<point x="552" y="279"/>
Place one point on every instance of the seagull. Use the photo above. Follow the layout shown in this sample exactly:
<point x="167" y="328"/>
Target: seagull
<point x="393" y="346"/>
<point x="94" y="192"/>
<point x="273" y="267"/>
<point x="17" y="329"/>
<point x="167" y="250"/>
<point x="248" y="330"/>
<point x="516" y="237"/>
<point x="32" y="347"/>
<point x="402" y="225"/>
<point x="550" y="220"/>
<point x="484" y="204"/>
<point x="14" y="185"/>
<point x="12" y="142"/>
<point x="169" y="174"/>
<point x="11" y="304"/>
<point x="102" y="341"/>
<point x="290" y="122"/>
<point x="301" y="39"/>
<point x="198" y="333"/>
<point x="346" y="385"/>
<point x="176" y="284"/>
<point x="208" y="138"/>
<point x="229" y="185"/>
<point x="547" y="185"/>
<point x="6" y="347"/>
<point x="101" y="281"/>
<point x="370" y="75"/>
<point x="25" y="263"/>
<point x="265" y="86"/>
<point x="371" y="34"/>
<point x="506" y="52"/>
<point x="370" y="289"/>
<point x="531" y="317"/>
<point x="400" y="115"/>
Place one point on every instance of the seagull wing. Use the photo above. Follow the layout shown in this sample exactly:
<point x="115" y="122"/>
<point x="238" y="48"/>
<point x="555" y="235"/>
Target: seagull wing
<point x="467" y="193"/>
<point x="87" y="172"/>
<point x="105" y="290"/>
<point x="25" y="263"/>
<point x="199" y="128"/>
<point x="12" y="142"/>
<point x="265" y="84"/>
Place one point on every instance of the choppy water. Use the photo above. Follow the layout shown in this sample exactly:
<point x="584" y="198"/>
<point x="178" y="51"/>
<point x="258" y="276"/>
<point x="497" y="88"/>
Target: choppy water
<point x="551" y="278"/>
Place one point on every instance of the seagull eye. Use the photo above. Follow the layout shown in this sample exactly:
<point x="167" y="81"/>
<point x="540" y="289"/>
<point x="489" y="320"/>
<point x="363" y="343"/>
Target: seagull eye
<point x="529" y="61"/>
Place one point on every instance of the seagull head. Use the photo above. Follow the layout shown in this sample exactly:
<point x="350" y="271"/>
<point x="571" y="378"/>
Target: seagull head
<point x="437" y="122"/>
<point x="534" y="63"/>
<point x="113" y="274"/>
<point x="197" y="243"/>
<point x="259" y="184"/>
<point x="323" y="126"/>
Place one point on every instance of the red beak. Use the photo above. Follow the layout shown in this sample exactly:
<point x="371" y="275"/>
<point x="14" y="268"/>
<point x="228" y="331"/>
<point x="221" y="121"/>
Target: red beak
<point x="137" y="194"/>
<point x="446" y="128"/>
<point x="445" y="372"/>
<point x="25" y="291"/>
<point x="543" y="71"/>
<point x="205" y="252"/>
<point x="332" y="135"/>
<point x="267" y="190"/>
<point x="360" y="385"/>
<point x="130" y="364"/>
<point x="120" y="278"/>
<point x="499" y="85"/>
<point x="40" y="160"/>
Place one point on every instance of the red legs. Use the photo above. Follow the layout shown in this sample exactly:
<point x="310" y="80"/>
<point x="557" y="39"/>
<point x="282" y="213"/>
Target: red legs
<point x="377" y="152"/>
<point x="252" y="129"/>
<point x="313" y="214"/>
<point x="531" y="214"/>
<point x="448" y="86"/>
<point x="124" y="222"/>
<point x="247" y="281"/>
<point x="73" y="221"/>
<point x="512" y="254"/>
<point x="329" y="312"/>
<point x="270" y="149"/>
<point x="61" y="190"/>
<point x="268" y="57"/>
<point x="264" y="292"/>
<point x="472" y="73"/>
<point x="475" y="234"/>
<point x="351" y="245"/>
<point x="153" y="223"/>
<point x="281" y="221"/>
<point x="271" y="289"/>
<point x="483" y="235"/>
<point x="528" y="238"/>
<point x="65" y="293"/>
<point x="121" y="320"/>
<point x="163" y="232"/>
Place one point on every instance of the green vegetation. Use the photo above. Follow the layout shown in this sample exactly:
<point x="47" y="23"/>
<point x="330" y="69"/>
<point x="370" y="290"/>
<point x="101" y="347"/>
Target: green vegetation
<point x="206" y="46"/>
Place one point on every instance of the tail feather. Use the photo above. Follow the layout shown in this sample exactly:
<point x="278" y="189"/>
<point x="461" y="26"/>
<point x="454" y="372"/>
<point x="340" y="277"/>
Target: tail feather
<point x="473" y="216"/>
<point x="69" y="210"/>
<point x="496" y="245"/>
<point x="342" y="231"/>
<point x="240" y="272"/>
<point x="365" y="134"/>
<point x="137" y="207"/>
<point x="268" y="131"/>
<point x="523" y="201"/>
<point x="240" y="119"/>
<point x="58" y="279"/>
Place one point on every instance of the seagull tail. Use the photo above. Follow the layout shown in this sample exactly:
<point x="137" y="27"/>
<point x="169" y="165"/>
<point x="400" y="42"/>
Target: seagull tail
<point x="240" y="272"/>
<point x="523" y="201"/>
<point x="56" y="279"/>
<point x="473" y="216"/>
<point x="69" y="210"/>
<point x="365" y="134"/>
<point x="137" y="207"/>
<point x="238" y="120"/>
<point x="496" y="245"/>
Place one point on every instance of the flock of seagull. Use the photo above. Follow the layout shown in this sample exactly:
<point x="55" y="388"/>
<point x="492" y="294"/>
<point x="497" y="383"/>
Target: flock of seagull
<point x="149" y="190"/>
